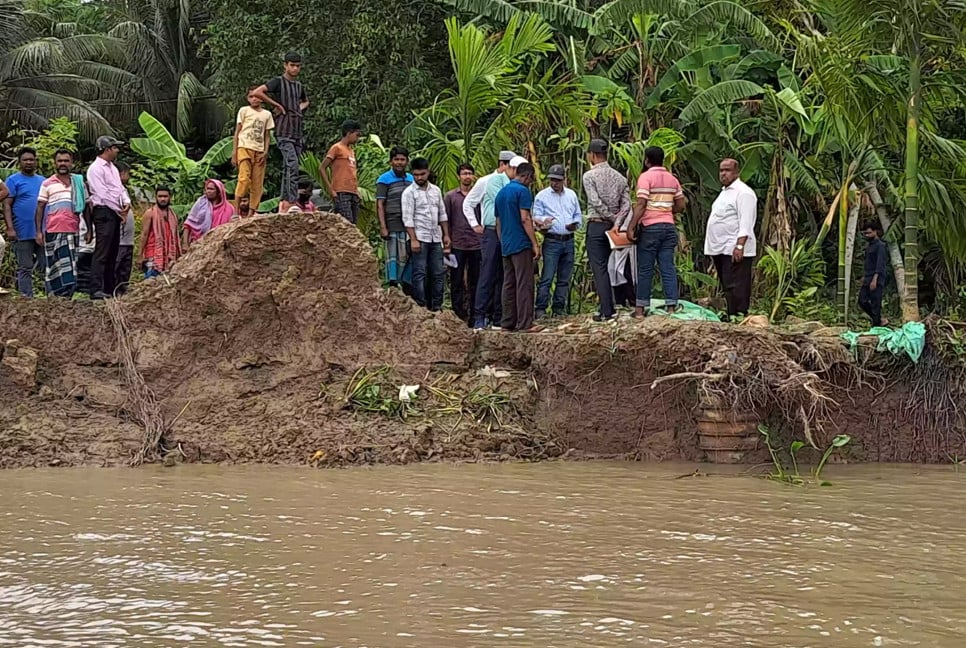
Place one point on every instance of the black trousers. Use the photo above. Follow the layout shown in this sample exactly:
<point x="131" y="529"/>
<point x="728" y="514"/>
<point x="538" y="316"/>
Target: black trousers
<point x="123" y="267"/>
<point x="871" y="302"/>
<point x="735" y="281"/>
<point x="598" y="254"/>
<point x="463" y="280"/>
<point x="107" y="233"/>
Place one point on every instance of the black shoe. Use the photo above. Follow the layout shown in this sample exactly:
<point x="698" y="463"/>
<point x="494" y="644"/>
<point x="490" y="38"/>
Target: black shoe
<point x="600" y="318"/>
<point x="539" y="315"/>
<point x="100" y="295"/>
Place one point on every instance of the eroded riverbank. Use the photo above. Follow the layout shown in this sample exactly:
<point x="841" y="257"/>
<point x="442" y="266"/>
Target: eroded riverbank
<point x="274" y="343"/>
<point x="577" y="554"/>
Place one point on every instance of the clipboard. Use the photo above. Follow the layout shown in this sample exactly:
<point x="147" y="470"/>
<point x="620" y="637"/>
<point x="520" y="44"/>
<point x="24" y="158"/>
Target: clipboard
<point x="618" y="240"/>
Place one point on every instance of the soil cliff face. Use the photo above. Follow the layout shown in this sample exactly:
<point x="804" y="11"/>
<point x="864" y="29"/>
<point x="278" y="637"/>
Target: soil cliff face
<point x="272" y="341"/>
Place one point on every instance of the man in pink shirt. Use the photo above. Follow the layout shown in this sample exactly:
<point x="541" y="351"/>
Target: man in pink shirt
<point x="110" y="206"/>
<point x="659" y="198"/>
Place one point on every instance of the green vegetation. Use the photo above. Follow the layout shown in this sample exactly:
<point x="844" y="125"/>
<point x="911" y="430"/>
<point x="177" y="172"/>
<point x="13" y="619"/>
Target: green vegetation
<point x="794" y="476"/>
<point x="837" y="109"/>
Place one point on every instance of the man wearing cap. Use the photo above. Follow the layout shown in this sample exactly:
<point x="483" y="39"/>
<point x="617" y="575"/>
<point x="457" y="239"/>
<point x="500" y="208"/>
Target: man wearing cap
<point x="110" y="205"/>
<point x="556" y="213"/>
<point x="608" y="206"/>
<point x="487" y="301"/>
<point x="286" y="94"/>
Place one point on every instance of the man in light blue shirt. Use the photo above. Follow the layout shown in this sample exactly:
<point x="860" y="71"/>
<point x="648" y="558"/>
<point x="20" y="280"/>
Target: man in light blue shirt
<point x="487" y="302"/>
<point x="556" y="213"/>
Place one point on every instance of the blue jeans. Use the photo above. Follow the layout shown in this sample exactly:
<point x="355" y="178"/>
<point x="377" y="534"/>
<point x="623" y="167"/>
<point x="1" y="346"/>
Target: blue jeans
<point x="558" y="261"/>
<point x="657" y="243"/>
<point x="428" y="264"/>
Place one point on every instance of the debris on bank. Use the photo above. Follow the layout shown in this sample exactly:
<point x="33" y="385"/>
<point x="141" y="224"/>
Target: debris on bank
<point x="273" y="342"/>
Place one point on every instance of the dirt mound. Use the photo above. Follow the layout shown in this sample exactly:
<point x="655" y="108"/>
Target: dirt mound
<point x="272" y="341"/>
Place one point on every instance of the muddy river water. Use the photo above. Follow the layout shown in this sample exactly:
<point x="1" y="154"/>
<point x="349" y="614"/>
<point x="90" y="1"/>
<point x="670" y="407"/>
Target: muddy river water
<point x="582" y="554"/>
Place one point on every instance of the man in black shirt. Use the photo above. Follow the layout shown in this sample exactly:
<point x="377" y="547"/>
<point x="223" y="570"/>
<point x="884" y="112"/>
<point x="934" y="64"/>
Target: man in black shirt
<point x="874" y="277"/>
<point x="286" y="94"/>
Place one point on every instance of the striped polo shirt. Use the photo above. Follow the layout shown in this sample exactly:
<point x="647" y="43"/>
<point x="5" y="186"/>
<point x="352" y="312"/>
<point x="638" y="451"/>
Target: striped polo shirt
<point x="659" y="188"/>
<point x="290" y="94"/>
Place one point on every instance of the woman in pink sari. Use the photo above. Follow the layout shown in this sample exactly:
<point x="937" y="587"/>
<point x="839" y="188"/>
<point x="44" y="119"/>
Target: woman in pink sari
<point x="208" y="212"/>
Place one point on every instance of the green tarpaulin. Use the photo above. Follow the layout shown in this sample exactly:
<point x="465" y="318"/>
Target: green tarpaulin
<point x="686" y="311"/>
<point x="910" y="339"/>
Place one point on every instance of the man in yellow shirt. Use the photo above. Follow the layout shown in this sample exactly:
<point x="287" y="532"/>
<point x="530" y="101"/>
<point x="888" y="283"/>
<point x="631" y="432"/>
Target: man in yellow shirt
<point x="253" y="134"/>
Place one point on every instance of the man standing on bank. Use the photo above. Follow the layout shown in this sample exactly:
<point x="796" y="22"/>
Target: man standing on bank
<point x="110" y="208"/>
<point x="286" y="94"/>
<point x="424" y="216"/>
<point x="608" y="205"/>
<point x="487" y="306"/>
<point x="520" y="250"/>
<point x="463" y="278"/>
<point x="730" y="237"/>
<point x="343" y="186"/>
<point x="63" y="199"/>
<point x="659" y="198"/>
<point x="556" y="212"/>
<point x="19" y="209"/>
<point x="389" y="190"/>
<point x="874" y="277"/>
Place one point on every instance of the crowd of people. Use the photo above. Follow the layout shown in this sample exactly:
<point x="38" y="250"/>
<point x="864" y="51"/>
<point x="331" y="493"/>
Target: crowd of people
<point x="488" y="234"/>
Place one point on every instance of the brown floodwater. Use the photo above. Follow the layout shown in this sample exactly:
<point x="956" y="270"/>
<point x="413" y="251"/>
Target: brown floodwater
<point x="551" y="555"/>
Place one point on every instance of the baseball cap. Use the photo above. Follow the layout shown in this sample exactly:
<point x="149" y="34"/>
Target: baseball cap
<point x="506" y="156"/>
<point x="105" y="142"/>
<point x="597" y="146"/>
<point x="517" y="161"/>
<point x="557" y="172"/>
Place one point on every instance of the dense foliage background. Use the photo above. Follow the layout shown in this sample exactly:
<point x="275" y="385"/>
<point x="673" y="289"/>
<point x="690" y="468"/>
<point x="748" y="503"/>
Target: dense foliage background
<point x="837" y="109"/>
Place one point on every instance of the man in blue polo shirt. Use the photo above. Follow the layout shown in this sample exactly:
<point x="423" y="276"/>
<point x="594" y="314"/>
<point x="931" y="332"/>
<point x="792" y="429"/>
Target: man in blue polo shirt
<point x="20" y="208"/>
<point x="519" y="246"/>
<point x="389" y="190"/>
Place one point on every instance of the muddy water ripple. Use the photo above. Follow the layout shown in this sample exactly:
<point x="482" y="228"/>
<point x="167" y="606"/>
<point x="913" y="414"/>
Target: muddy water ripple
<point x="591" y="554"/>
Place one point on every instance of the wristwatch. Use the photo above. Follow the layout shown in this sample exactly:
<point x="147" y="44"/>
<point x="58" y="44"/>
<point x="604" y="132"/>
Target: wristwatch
<point x="739" y="247"/>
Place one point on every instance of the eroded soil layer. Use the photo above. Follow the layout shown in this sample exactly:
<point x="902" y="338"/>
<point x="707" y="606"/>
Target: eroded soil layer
<point x="272" y="342"/>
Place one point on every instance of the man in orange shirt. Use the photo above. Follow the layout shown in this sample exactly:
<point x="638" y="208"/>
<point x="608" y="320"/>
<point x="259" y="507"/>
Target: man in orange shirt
<point x="340" y="161"/>
<point x="659" y="198"/>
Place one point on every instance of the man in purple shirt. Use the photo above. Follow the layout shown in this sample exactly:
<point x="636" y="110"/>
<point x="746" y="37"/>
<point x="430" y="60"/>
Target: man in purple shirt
<point x="466" y="247"/>
<point x="110" y="207"/>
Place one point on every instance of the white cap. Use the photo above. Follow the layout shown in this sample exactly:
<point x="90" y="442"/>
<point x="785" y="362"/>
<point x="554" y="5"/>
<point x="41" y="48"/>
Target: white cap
<point x="517" y="161"/>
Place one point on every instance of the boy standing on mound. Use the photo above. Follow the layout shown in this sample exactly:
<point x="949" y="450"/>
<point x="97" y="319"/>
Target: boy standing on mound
<point x="253" y="135"/>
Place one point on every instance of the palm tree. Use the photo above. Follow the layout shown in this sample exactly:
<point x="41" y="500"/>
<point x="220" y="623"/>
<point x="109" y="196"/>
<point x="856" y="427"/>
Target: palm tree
<point x="48" y="69"/>
<point x="162" y="39"/>
<point x="462" y="124"/>
<point x="927" y="39"/>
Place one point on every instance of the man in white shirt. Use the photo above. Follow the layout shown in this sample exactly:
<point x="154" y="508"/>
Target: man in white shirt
<point x="730" y="237"/>
<point x="486" y="303"/>
<point x="424" y="217"/>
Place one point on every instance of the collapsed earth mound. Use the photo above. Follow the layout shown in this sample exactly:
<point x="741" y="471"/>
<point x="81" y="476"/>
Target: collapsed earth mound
<point x="272" y="341"/>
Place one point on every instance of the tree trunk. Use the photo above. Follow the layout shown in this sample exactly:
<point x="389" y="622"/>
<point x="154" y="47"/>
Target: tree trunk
<point x="895" y="255"/>
<point x="850" y="228"/>
<point x="910" y="305"/>
<point x="841" y="292"/>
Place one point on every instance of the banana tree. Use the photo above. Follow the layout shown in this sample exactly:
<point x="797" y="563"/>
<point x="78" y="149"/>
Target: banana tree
<point x="162" y="151"/>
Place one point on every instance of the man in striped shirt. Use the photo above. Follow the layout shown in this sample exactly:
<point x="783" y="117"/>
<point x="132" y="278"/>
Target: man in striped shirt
<point x="659" y="198"/>
<point x="61" y="204"/>
<point x="286" y="94"/>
